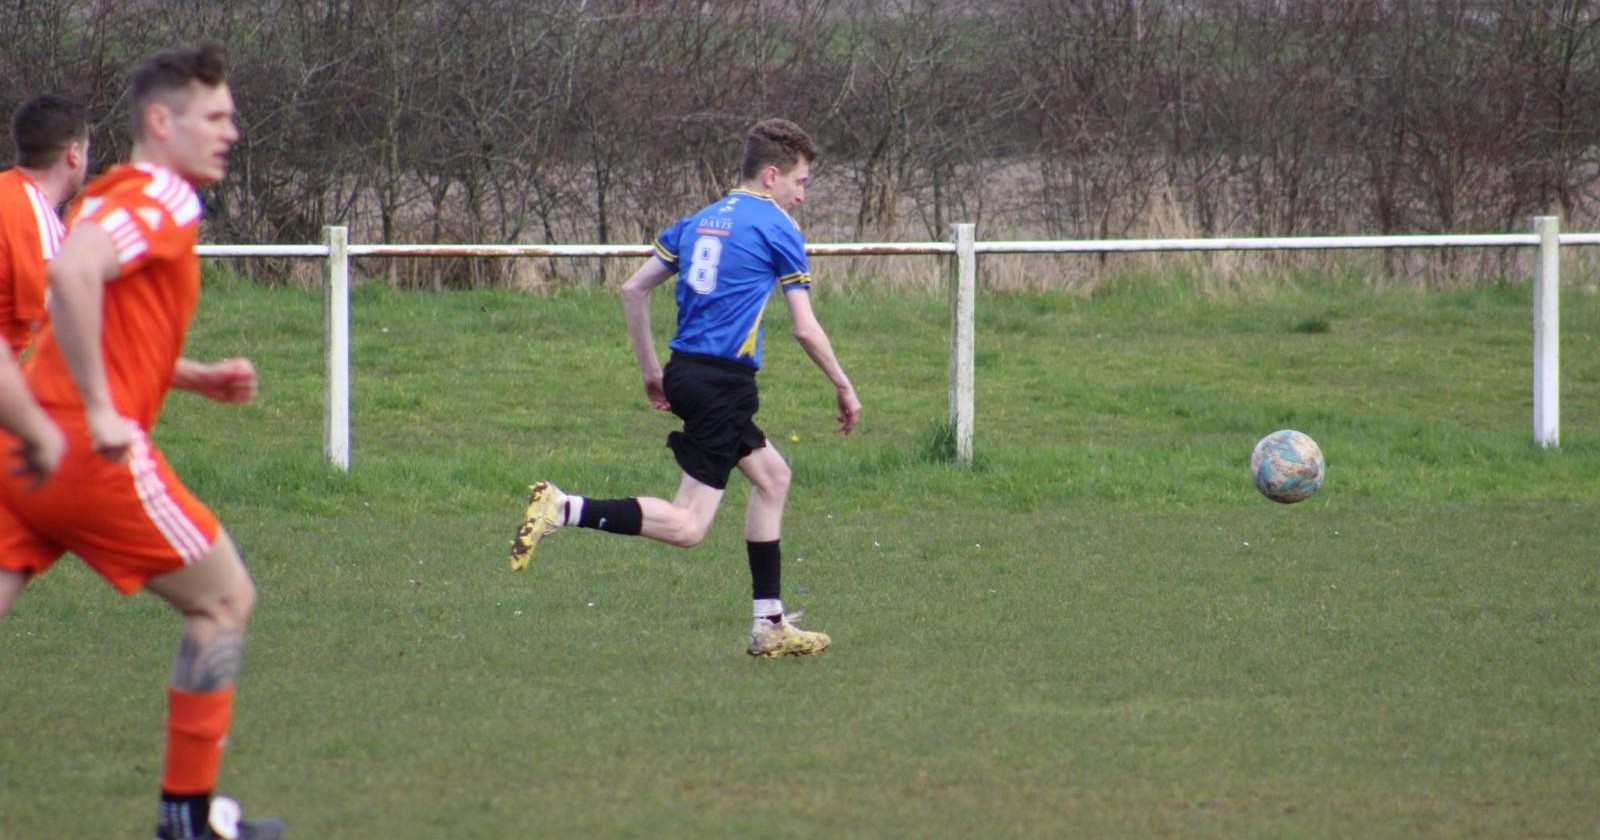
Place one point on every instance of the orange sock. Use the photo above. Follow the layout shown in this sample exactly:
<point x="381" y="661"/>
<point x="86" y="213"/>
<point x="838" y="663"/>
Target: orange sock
<point x="197" y="723"/>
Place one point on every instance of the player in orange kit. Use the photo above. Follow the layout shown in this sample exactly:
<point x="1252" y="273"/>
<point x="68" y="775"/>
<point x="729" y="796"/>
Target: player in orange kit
<point x="52" y="139"/>
<point x="124" y="288"/>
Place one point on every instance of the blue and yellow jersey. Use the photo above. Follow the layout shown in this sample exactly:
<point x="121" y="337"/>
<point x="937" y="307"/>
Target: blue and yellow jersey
<point x="728" y="257"/>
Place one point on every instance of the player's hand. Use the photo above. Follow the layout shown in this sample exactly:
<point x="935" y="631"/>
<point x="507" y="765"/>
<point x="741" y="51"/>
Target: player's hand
<point x="39" y="456"/>
<point x="849" y="409"/>
<point x="111" y="435"/>
<point x="229" y="381"/>
<point x="656" y="392"/>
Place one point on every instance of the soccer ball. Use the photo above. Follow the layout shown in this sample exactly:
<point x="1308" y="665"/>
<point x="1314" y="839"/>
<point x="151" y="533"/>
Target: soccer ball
<point x="1287" y="466"/>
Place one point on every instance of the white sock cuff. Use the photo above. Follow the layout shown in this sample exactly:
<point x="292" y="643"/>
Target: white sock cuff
<point x="768" y="606"/>
<point x="574" y="510"/>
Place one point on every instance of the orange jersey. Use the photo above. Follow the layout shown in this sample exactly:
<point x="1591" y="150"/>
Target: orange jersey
<point x="153" y="218"/>
<point x="30" y="236"/>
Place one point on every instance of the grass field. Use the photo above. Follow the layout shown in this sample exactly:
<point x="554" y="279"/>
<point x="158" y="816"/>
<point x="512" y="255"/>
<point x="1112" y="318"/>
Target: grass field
<point x="1100" y="630"/>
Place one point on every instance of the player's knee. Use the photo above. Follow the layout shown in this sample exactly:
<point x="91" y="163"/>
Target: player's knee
<point x="689" y="536"/>
<point x="773" y="483"/>
<point x="778" y="483"/>
<point x="232" y="607"/>
<point x="242" y="601"/>
<point x="689" y="531"/>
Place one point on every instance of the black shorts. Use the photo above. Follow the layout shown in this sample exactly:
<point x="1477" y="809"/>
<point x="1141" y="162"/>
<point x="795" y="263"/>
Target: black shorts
<point x="717" y="401"/>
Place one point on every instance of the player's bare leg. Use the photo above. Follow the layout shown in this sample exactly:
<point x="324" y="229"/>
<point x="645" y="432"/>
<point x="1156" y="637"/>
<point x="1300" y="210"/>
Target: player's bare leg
<point x="681" y="522"/>
<point x="11" y="585"/>
<point x="769" y="477"/>
<point x="772" y="632"/>
<point x="684" y="521"/>
<point x="215" y="596"/>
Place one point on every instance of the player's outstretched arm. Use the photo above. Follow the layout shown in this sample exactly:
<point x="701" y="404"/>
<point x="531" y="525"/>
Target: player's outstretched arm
<point x="78" y="274"/>
<point x="808" y="331"/>
<point x="230" y="380"/>
<point x="636" y="308"/>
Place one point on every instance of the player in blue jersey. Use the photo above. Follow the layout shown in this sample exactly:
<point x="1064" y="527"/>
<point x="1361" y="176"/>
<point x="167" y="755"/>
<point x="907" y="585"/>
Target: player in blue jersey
<point x="728" y="258"/>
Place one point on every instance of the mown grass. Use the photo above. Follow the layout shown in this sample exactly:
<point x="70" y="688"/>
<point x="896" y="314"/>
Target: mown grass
<point x="1099" y="630"/>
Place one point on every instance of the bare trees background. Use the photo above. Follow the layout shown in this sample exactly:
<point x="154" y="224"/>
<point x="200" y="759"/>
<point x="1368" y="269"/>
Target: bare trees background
<point x="600" y="120"/>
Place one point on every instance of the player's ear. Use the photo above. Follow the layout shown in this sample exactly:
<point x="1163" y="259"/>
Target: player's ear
<point x="769" y="177"/>
<point x="157" y="119"/>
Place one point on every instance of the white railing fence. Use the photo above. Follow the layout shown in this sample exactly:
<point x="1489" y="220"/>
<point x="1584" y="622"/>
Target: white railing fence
<point x="964" y="247"/>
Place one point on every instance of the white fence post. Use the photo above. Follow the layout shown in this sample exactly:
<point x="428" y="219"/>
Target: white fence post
<point x="336" y="343"/>
<point x="1547" y="333"/>
<point x="963" y="296"/>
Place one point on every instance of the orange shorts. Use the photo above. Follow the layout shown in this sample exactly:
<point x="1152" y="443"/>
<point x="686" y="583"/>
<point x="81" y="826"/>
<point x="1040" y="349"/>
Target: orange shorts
<point x="130" y="522"/>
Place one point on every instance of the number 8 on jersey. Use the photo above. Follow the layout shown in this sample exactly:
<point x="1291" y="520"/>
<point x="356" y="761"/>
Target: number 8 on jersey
<point x="702" y="273"/>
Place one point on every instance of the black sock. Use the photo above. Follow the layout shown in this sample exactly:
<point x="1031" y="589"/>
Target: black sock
<point x="183" y="815"/>
<point x="615" y="516"/>
<point x="766" y="569"/>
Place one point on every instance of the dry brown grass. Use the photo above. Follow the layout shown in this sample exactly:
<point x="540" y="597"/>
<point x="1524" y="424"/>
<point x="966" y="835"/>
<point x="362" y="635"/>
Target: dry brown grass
<point x="1006" y="204"/>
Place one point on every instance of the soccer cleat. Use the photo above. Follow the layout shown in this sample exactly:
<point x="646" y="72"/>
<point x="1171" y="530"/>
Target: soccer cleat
<point x="224" y="822"/>
<point x="769" y="640"/>
<point x="546" y="508"/>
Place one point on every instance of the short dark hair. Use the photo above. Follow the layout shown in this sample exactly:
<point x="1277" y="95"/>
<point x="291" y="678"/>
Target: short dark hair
<point x="170" y="72"/>
<point x="775" y="142"/>
<point x="44" y="127"/>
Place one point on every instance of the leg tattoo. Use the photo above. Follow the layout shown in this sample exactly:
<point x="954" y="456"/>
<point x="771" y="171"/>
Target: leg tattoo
<point x="208" y="666"/>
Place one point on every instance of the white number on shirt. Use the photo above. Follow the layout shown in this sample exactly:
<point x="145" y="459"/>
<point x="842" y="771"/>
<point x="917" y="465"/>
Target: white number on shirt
<point x="703" y="259"/>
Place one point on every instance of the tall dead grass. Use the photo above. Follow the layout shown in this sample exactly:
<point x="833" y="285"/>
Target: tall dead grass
<point x="1010" y="203"/>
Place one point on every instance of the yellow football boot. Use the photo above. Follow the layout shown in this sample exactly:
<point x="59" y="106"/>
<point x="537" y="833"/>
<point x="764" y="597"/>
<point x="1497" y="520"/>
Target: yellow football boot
<point x="546" y="508"/>
<point x="770" y="640"/>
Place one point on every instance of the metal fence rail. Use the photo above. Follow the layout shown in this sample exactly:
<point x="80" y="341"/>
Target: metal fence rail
<point x="336" y="252"/>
